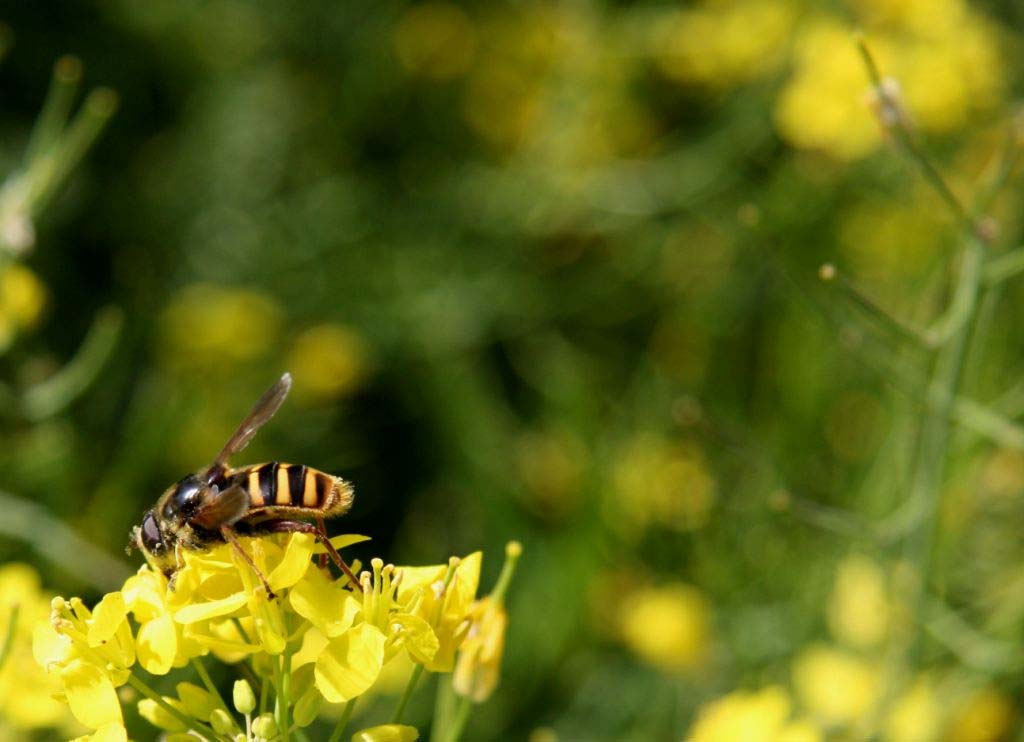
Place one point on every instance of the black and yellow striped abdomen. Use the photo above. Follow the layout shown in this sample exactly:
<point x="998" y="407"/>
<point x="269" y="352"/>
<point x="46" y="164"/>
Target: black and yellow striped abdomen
<point x="281" y="489"/>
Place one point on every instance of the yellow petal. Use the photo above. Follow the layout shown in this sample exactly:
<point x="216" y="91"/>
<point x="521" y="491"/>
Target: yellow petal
<point x="340" y="542"/>
<point x="48" y="647"/>
<point x="313" y="643"/>
<point x="143" y="594"/>
<point x="351" y="663"/>
<point x="157" y="645"/>
<point x="415" y="579"/>
<point x="106" y="619"/>
<point x="269" y="622"/>
<point x="210" y="609"/>
<point x="90" y="695"/>
<point x="294" y="563"/>
<point x="329" y="608"/>
<point x="417" y="636"/>
<point x="106" y="733"/>
<point x="387" y="733"/>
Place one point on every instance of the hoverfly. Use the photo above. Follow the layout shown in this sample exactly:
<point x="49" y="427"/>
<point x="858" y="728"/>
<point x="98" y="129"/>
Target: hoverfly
<point x="215" y="504"/>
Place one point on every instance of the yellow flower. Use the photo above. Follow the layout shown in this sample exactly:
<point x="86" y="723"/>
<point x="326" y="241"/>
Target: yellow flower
<point x="331" y="641"/>
<point x="657" y="481"/>
<point x="760" y="716"/>
<point x="204" y="321"/>
<point x="713" y="44"/>
<point x="445" y="608"/>
<point x="479" y="663"/>
<point x="916" y="714"/>
<point x="22" y="299"/>
<point x="667" y="626"/>
<point x="858" y="611"/>
<point x="328" y="361"/>
<point x="835" y="686"/>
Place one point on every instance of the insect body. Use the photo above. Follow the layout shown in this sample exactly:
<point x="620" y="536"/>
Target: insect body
<point x="212" y="505"/>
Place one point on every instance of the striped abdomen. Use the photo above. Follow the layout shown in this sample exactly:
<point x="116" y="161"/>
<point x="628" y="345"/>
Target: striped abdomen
<point x="275" y="487"/>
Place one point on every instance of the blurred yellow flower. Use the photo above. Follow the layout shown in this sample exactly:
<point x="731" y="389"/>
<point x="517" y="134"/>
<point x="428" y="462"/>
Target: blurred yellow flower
<point x="667" y="626"/>
<point x="858" y="609"/>
<point x="658" y="481"/>
<point x="944" y="56"/>
<point x="435" y="40"/>
<point x="716" y="43"/>
<point x="754" y="716"/>
<point x="916" y="714"/>
<point x="22" y="299"/>
<point x="834" y="686"/>
<point x="986" y="716"/>
<point x="328" y="361"/>
<point x="26" y="691"/>
<point x="551" y="463"/>
<point x="210" y="327"/>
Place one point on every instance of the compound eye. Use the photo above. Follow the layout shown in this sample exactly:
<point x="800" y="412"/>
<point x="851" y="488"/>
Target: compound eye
<point x="152" y="539"/>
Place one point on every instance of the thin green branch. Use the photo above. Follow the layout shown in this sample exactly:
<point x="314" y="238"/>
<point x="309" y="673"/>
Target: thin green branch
<point x="192" y="724"/>
<point x="67" y="74"/>
<point x="1004" y="267"/>
<point x="200" y="669"/>
<point x="902" y="328"/>
<point x="410" y="686"/>
<point x="346" y="716"/>
<point x="62" y="546"/>
<point x="57" y="392"/>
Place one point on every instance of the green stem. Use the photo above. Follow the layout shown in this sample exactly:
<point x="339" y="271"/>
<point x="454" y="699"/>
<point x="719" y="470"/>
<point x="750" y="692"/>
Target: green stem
<point x="200" y="668"/>
<point x="461" y="717"/>
<point x="346" y="715"/>
<point x="53" y="395"/>
<point x="286" y="683"/>
<point x="195" y="726"/>
<point x="1004" y="267"/>
<point x="407" y="694"/>
<point x="67" y="74"/>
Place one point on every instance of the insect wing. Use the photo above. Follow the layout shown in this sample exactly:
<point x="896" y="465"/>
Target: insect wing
<point x="264" y="409"/>
<point x="221" y="508"/>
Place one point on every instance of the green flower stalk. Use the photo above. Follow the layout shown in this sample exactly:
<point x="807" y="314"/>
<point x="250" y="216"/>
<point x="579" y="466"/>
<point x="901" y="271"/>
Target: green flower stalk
<point x="319" y="642"/>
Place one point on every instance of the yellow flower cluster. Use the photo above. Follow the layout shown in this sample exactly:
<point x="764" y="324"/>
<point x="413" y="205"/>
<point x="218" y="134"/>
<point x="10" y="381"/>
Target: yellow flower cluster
<point x="944" y="55"/>
<point x="319" y="639"/>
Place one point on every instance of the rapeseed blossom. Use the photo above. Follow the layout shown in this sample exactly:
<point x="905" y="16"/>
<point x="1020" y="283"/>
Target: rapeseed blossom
<point x="319" y="640"/>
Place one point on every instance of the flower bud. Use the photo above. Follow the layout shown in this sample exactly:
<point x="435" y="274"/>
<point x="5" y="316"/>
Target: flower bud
<point x="264" y="726"/>
<point x="307" y="707"/>
<point x="198" y="702"/>
<point x="387" y="733"/>
<point x="243" y="697"/>
<point x="222" y="722"/>
<point x="159" y="717"/>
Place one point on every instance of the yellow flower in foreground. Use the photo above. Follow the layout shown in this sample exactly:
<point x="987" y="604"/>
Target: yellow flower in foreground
<point x="329" y="639"/>
<point x="835" y="686"/>
<point x="667" y="626"/>
<point x="760" y="716"/>
<point x="387" y="733"/>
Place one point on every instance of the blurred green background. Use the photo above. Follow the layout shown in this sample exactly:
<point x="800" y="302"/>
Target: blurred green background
<point x="548" y="271"/>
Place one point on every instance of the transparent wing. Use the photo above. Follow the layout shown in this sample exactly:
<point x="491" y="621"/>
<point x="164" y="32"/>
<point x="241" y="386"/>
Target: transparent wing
<point x="221" y="508"/>
<point x="264" y="409"/>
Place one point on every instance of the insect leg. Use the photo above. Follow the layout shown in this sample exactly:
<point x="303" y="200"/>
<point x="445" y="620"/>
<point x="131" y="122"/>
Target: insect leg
<point x="298" y="526"/>
<point x="231" y="538"/>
